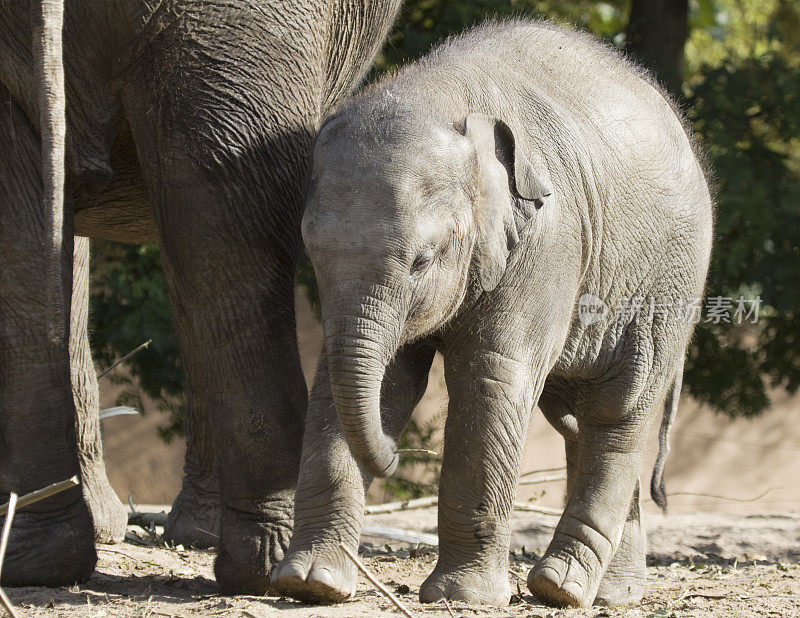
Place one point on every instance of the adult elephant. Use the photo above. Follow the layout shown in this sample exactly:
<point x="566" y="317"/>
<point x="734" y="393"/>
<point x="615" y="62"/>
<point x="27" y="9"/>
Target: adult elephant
<point x="187" y="124"/>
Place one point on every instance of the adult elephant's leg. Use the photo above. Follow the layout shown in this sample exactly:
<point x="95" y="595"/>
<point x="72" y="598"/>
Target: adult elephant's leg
<point x="51" y="542"/>
<point x="491" y="396"/>
<point x="329" y="503"/>
<point x="230" y="239"/>
<point x="196" y="512"/>
<point x="108" y="513"/>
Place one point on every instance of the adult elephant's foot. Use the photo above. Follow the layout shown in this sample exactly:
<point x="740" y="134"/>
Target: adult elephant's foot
<point x="252" y="542"/>
<point x="50" y="548"/>
<point x="474" y="586"/>
<point x="322" y="575"/>
<point x="109" y="516"/>
<point x="196" y="514"/>
<point x="625" y="578"/>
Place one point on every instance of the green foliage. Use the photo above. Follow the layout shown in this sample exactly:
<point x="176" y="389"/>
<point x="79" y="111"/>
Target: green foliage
<point x="129" y="305"/>
<point x="746" y="110"/>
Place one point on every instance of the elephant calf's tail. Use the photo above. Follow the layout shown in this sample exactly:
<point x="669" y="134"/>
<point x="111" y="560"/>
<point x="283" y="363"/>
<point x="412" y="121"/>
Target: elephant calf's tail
<point x="657" y="490"/>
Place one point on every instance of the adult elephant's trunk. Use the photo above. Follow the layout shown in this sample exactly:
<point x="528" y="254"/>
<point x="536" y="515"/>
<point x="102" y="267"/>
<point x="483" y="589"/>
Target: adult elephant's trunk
<point x="359" y="344"/>
<point x="47" y="18"/>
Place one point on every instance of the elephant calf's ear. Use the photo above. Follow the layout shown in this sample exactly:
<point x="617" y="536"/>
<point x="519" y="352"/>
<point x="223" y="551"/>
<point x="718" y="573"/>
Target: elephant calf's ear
<point x="510" y="194"/>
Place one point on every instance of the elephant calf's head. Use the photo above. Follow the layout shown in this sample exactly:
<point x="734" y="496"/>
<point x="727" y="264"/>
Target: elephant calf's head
<point x="403" y="215"/>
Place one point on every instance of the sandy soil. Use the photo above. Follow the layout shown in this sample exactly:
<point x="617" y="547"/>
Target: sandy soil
<point x="699" y="565"/>
<point x="726" y="549"/>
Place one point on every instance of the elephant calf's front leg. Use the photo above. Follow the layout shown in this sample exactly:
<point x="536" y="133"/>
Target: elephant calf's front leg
<point x="490" y="402"/>
<point x="329" y="502"/>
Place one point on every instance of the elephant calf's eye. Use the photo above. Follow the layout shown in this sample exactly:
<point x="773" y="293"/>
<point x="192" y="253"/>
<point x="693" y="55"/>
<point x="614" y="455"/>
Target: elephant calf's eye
<point x="423" y="261"/>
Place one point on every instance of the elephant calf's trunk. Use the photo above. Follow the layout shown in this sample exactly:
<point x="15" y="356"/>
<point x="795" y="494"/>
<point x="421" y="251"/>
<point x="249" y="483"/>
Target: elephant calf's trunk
<point x="356" y="374"/>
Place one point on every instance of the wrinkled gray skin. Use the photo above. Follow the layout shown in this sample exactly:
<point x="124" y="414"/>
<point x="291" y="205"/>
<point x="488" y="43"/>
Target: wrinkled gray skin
<point x="465" y="205"/>
<point x="188" y="124"/>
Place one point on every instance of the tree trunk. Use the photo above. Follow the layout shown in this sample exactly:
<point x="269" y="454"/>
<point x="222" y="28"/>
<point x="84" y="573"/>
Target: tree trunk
<point x="656" y="36"/>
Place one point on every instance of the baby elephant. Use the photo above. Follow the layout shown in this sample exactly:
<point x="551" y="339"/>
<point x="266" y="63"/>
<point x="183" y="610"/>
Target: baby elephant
<point x="524" y="201"/>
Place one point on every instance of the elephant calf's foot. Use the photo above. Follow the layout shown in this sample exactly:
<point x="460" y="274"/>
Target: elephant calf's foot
<point x="250" y="546"/>
<point x="479" y="587"/>
<point x="625" y="578"/>
<point x="567" y="575"/>
<point x="321" y="576"/>
<point x="109" y="516"/>
<point x="195" y="517"/>
<point x="50" y="549"/>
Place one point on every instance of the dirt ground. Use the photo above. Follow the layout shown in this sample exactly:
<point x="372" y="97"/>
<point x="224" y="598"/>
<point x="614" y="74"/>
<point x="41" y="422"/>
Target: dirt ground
<point x="729" y="547"/>
<point x="699" y="565"/>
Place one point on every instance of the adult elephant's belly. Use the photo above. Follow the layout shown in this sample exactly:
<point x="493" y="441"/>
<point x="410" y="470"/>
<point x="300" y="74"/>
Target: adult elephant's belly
<point x="120" y="208"/>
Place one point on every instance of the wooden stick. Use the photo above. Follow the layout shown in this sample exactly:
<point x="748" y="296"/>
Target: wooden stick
<point x="718" y="497"/>
<point x="124" y="358"/>
<point x="532" y="472"/>
<point x="544" y="510"/>
<point x="10" y="510"/>
<point x="397" y="603"/>
<point x="399" y="534"/>
<point x="423" y="451"/>
<point x="545" y="479"/>
<point x="41" y="494"/>
<point x="6" y="603"/>
<point x="421" y="503"/>
<point x="449" y="609"/>
<point x="404" y="505"/>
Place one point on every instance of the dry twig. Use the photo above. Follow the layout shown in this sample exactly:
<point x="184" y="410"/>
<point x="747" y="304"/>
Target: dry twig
<point x="422" y="451"/>
<point x="545" y="479"/>
<point x="404" y="505"/>
<point x="10" y="510"/>
<point x="41" y="494"/>
<point x="124" y="358"/>
<point x="449" y="609"/>
<point x="543" y="470"/>
<point x="384" y="590"/>
<point x="544" y="510"/>
<point x="718" y="497"/>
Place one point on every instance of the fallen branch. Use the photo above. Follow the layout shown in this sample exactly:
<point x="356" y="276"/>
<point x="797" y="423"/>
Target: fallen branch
<point x="545" y="479"/>
<point x="718" y="497"/>
<point x="532" y="472"/>
<point x="384" y="590"/>
<point x="422" y="503"/>
<point x="137" y="518"/>
<point x="405" y="505"/>
<point x="530" y="508"/>
<point x="399" y="534"/>
<point x="124" y="358"/>
<point x="10" y="510"/>
<point x="449" y="609"/>
<point x="43" y="493"/>
<point x="421" y="451"/>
